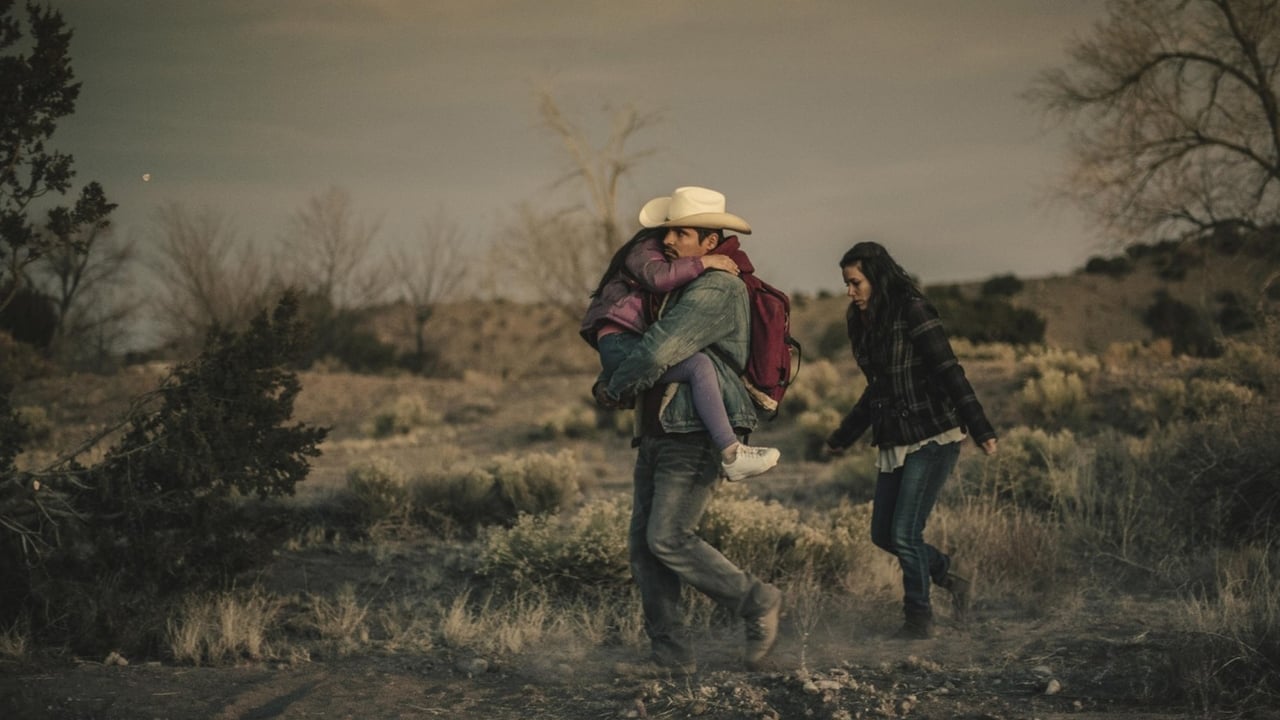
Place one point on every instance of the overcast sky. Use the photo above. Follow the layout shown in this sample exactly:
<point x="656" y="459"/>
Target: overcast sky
<point x="824" y="122"/>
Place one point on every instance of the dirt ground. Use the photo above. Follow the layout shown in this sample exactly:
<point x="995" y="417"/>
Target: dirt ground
<point x="1100" y="655"/>
<point x="1105" y="663"/>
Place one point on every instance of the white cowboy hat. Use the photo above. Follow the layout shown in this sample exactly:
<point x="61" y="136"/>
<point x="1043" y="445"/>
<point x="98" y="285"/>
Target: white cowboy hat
<point x="696" y="207"/>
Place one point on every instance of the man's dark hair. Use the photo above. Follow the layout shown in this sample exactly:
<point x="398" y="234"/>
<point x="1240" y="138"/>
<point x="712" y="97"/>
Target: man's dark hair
<point x="704" y="232"/>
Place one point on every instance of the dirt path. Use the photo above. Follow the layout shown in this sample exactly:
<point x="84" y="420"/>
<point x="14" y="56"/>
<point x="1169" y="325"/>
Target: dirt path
<point x="1103" y="664"/>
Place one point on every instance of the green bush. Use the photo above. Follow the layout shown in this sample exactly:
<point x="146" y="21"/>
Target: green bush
<point x="401" y="416"/>
<point x="1113" y="267"/>
<point x="966" y="349"/>
<point x="833" y="343"/>
<point x="1208" y="398"/>
<point x="856" y="474"/>
<point x="1173" y="266"/>
<point x="30" y="317"/>
<point x="13" y="437"/>
<point x="162" y="513"/>
<point x="36" y="420"/>
<point x="1248" y="364"/>
<point x="813" y="427"/>
<point x="1002" y="286"/>
<point x="1041" y="360"/>
<point x="583" y="553"/>
<point x="1185" y="327"/>
<point x="1229" y="476"/>
<point x="499" y="492"/>
<point x="769" y="540"/>
<point x="380" y="488"/>
<point x="575" y="420"/>
<point x="1035" y="469"/>
<point x="823" y="385"/>
<point x="1056" y="399"/>
<point x="1208" y="483"/>
<point x="1233" y="315"/>
<point x="989" y="319"/>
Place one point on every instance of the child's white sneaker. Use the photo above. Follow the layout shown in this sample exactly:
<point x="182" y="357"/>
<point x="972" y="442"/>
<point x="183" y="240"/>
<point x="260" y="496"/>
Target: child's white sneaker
<point x="750" y="461"/>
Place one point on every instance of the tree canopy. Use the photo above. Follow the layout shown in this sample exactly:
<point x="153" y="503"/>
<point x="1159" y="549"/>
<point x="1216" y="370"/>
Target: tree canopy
<point x="1174" y="116"/>
<point x="37" y="89"/>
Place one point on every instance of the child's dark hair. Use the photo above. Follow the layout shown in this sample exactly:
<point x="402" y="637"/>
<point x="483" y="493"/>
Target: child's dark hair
<point x="619" y="261"/>
<point x="891" y="287"/>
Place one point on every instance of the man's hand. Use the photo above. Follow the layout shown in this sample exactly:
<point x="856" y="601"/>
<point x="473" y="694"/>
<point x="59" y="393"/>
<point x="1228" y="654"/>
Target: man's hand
<point x="989" y="446"/>
<point x="829" y="452"/>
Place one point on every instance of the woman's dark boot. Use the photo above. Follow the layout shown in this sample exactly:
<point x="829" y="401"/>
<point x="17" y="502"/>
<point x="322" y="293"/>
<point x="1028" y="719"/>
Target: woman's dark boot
<point x="918" y="626"/>
<point x="959" y="582"/>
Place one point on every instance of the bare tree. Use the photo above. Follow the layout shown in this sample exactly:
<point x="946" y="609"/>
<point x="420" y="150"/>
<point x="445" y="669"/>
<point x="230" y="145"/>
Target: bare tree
<point x="433" y="271"/>
<point x="1176" y="124"/>
<point x="558" y="253"/>
<point x="207" y="275"/>
<point x="87" y="276"/>
<point x="329" y="251"/>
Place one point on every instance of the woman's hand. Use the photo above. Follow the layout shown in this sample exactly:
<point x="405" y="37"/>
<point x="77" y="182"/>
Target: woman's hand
<point x="602" y="397"/>
<point x="720" y="262"/>
<point x="989" y="446"/>
<point x="830" y="452"/>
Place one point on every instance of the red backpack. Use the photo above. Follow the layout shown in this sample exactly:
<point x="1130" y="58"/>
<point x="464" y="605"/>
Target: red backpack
<point x="768" y="373"/>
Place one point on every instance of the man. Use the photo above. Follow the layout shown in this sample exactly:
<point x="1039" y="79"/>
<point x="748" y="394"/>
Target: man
<point x="677" y="466"/>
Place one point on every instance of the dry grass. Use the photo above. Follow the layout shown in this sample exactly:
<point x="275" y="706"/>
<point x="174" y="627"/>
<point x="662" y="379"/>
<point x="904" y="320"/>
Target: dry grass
<point x="14" y="641"/>
<point x="505" y="628"/>
<point x="406" y="625"/>
<point x="342" y="622"/>
<point x="1231" y="655"/>
<point x="223" y="628"/>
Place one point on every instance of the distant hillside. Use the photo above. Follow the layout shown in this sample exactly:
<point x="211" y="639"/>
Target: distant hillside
<point x="1083" y="311"/>
<point x="1090" y="310"/>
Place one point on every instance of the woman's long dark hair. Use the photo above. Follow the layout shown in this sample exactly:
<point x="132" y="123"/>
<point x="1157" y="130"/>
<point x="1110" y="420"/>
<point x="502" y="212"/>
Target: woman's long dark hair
<point x="891" y="288"/>
<point x="619" y="261"/>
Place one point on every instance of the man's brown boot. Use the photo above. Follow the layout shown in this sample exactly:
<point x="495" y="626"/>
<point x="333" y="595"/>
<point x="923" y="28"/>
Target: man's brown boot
<point x="762" y="624"/>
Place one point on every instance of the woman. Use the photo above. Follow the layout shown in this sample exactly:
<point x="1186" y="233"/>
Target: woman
<point x="919" y="406"/>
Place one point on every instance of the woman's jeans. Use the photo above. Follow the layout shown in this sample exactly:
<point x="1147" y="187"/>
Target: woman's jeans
<point x="904" y="499"/>
<point x="675" y="479"/>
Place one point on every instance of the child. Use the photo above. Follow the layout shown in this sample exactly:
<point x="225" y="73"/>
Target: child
<point x="615" y="320"/>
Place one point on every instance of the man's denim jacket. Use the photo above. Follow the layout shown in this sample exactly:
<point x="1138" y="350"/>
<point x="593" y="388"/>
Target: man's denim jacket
<point x="711" y="313"/>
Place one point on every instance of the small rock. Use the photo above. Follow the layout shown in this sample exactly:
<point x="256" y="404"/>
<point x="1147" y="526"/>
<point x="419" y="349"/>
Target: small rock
<point x="906" y="704"/>
<point x="1077" y="705"/>
<point x="1053" y="687"/>
<point x="811" y="687"/>
<point x="472" y="666"/>
<point x="827" y="685"/>
<point x="115" y="658"/>
<point x="1042" y="670"/>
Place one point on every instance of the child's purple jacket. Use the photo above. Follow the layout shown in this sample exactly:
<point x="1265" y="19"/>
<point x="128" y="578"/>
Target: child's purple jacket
<point x="621" y="300"/>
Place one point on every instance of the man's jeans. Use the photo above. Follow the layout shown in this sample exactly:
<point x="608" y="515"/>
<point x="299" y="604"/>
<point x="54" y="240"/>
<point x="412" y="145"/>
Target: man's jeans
<point x="675" y="479"/>
<point x="904" y="499"/>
